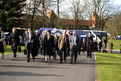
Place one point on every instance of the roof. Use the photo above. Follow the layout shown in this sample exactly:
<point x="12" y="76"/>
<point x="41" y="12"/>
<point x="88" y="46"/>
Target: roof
<point x="51" y="14"/>
<point x="81" y="22"/>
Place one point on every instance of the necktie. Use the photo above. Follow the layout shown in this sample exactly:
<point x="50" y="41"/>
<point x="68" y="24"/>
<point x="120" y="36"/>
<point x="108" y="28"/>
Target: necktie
<point x="29" y="37"/>
<point x="64" y="39"/>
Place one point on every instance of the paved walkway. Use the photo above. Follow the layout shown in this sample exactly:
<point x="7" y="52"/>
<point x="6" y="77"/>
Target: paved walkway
<point x="17" y="69"/>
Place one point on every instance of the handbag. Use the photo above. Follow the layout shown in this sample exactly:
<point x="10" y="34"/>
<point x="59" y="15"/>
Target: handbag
<point x="25" y="52"/>
<point x="19" y="49"/>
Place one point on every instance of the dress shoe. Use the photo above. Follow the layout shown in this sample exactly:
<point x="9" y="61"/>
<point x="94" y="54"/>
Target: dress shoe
<point x="60" y="62"/>
<point x="64" y="60"/>
<point x="28" y="60"/>
<point x="2" y="57"/>
<point x="71" y="62"/>
<point x="75" y="62"/>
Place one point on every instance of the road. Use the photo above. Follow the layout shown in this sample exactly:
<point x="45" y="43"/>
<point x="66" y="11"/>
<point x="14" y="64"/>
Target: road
<point x="17" y="69"/>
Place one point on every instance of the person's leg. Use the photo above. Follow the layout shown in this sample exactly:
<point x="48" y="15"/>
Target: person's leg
<point x="90" y="53"/>
<point x="2" y="55"/>
<point x="61" y="54"/>
<point x="14" y="53"/>
<point x="75" y="53"/>
<point x="45" y="58"/>
<point x="33" y="56"/>
<point x="45" y="55"/>
<point x="28" y="53"/>
<point x="87" y="52"/>
<point x="28" y="56"/>
<point x="49" y="58"/>
<point x="71" y="56"/>
<point x="65" y="55"/>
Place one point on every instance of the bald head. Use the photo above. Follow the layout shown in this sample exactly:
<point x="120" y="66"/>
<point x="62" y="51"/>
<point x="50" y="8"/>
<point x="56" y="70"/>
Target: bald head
<point x="89" y="33"/>
<point x="68" y="32"/>
<point x="30" y="31"/>
<point x="14" y="29"/>
<point x="74" y="33"/>
<point x="64" y="32"/>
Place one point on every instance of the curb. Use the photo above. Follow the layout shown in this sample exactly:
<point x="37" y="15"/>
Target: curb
<point x="96" y="71"/>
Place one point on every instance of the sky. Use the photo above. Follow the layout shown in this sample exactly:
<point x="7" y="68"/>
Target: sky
<point x="117" y="2"/>
<point x="66" y="4"/>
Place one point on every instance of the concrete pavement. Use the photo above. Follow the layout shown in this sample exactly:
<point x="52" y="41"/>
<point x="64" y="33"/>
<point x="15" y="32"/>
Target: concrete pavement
<point x="17" y="69"/>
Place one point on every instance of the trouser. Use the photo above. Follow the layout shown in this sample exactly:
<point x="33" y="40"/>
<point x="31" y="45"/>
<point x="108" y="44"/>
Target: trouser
<point x="28" y="51"/>
<point x="37" y="48"/>
<point x="74" y="50"/>
<point x="62" y="52"/>
<point x="89" y="52"/>
<point x="14" y="51"/>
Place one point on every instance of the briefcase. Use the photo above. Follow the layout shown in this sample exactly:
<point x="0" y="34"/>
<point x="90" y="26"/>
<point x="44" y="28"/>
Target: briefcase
<point x="19" y="49"/>
<point x="25" y="52"/>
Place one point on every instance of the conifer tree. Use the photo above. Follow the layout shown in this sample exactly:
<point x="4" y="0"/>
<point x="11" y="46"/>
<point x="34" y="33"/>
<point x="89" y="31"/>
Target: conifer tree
<point x="11" y="13"/>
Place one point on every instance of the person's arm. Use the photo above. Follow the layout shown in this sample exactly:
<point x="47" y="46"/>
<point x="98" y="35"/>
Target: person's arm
<point x="3" y="36"/>
<point x="59" y="41"/>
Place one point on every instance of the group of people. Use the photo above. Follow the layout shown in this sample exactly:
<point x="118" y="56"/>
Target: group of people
<point x="66" y="44"/>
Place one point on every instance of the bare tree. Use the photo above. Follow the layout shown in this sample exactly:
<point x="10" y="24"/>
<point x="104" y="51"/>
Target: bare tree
<point x="101" y="10"/>
<point x="77" y="10"/>
<point x="114" y="23"/>
<point x="31" y="9"/>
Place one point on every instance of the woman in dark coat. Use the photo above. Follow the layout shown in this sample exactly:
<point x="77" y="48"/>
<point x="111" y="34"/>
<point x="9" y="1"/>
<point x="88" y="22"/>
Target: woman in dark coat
<point x="48" y="45"/>
<point x="2" y="42"/>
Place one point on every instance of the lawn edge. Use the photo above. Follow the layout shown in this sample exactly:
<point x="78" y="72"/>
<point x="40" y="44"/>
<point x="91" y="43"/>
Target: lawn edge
<point x="96" y="70"/>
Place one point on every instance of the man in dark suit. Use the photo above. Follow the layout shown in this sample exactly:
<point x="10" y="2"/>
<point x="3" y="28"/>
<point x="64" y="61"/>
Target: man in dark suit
<point x="74" y="47"/>
<point x="25" y="38"/>
<point x="37" y="41"/>
<point x="63" y="45"/>
<point x="80" y="44"/>
<point x="14" y="39"/>
<point x="31" y="39"/>
<point x="89" y="44"/>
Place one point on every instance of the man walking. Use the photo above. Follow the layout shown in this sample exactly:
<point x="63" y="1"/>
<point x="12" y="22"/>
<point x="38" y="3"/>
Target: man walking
<point x="31" y="37"/>
<point x="14" y="38"/>
<point x="89" y="45"/>
<point x="74" y="47"/>
<point x="63" y="45"/>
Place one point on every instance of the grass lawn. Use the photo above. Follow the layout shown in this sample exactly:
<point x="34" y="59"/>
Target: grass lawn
<point x="109" y="66"/>
<point x="116" y="44"/>
<point x="8" y="50"/>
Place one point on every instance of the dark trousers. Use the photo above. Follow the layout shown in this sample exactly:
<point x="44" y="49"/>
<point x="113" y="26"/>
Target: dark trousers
<point x="74" y="50"/>
<point x="89" y="52"/>
<point x="14" y="51"/>
<point x="28" y="51"/>
<point x="62" y="52"/>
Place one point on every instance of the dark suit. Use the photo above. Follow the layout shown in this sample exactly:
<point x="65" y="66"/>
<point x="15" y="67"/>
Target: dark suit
<point x="31" y="46"/>
<point x="56" y="43"/>
<point x="14" y="40"/>
<point x="74" y="48"/>
<point x="80" y="45"/>
<point x="25" y="39"/>
<point x="89" y="45"/>
<point x="63" y="46"/>
<point x="37" y="43"/>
